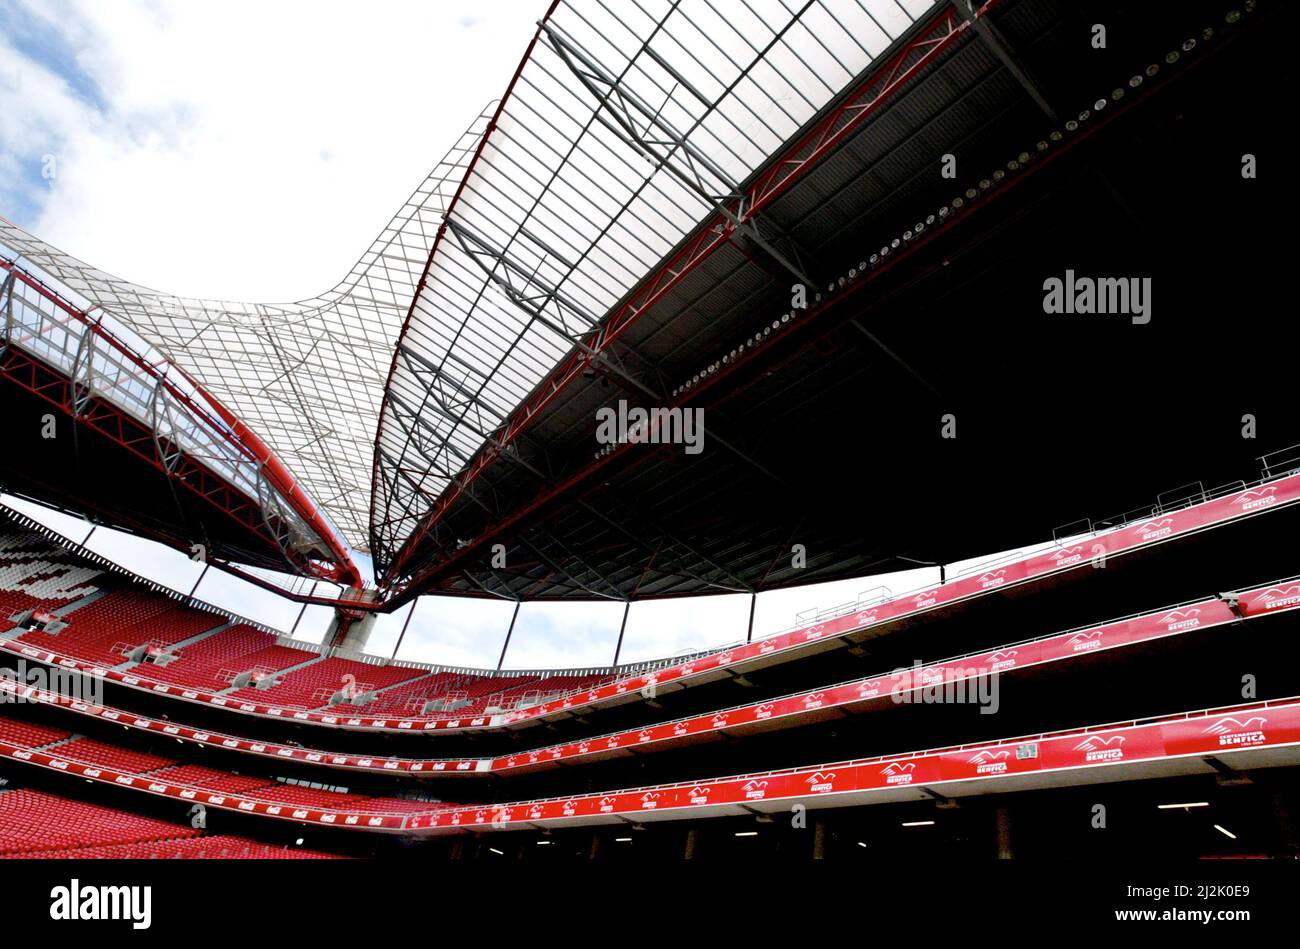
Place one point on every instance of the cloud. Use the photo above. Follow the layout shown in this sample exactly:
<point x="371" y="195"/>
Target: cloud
<point x="241" y="150"/>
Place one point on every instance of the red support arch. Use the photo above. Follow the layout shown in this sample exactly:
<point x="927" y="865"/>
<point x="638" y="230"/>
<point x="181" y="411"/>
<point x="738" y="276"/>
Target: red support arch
<point x="119" y="426"/>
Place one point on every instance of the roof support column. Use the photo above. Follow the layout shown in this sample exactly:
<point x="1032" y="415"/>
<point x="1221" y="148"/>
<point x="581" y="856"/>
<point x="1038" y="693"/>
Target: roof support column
<point x="294" y="628"/>
<point x="995" y="41"/>
<point x="1002" y="822"/>
<point x="622" y="628"/>
<point x="405" y="624"/>
<point x="509" y="632"/>
<point x="692" y="843"/>
<point x="819" y="839"/>
<point x="203" y="573"/>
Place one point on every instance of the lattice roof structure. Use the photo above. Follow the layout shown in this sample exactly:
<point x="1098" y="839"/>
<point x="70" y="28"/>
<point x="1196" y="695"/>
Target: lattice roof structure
<point x="306" y="377"/>
<point x="521" y="255"/>
<point x="625" y="126"/>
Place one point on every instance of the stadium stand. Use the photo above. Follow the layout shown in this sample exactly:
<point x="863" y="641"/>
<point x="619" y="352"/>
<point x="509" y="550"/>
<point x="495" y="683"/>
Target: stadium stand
<point x="36" y="573"/>
<point x="943" y="77"/>
<point x="42" y="826"/>
<point x="1264" y="734"/>
<point x="305" y="679"/>
<point x="298" y="794"/>
<point x="410" y="698"/>
<point x="29" y="734"/>
<point x="191" y="848"/>
<point x="99" y="759"/>
<point x="111" y="756"/>
<point x="261" y="666"/>
<point x="877" y="690"/>
<point x="33" y="821"/>
<point x="314" y="685"/>
<point x="215" y="661"/>
<point x="200" y="776"/>
<point x="107" y="630"/>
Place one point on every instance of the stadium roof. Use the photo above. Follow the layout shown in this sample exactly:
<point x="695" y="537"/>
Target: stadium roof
<point x="823" y="425"/>
<point x="625" y="126"/>
<point x="306" y="377"/>
<point x="627" y="223"/>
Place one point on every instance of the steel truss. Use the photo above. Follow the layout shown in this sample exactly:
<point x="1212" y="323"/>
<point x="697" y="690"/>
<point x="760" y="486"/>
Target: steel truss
<point x="680" y="126"/>
<point x="104" y="386"/>
<point x="633" y="142"/>
<point x="302" y="382"/>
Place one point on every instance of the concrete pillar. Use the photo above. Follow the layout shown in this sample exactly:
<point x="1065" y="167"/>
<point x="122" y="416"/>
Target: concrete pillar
<point x="358" y="633"/>
<point x="1002" y="818"/>
<point x="819" y="839"/>
<point x="350" y="628"/>
<point x="692" y="841"/>
<point x="1286" y="829"/>
<point x="594" y="852"/>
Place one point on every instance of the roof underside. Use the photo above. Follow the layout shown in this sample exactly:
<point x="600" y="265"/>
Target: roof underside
<point x="827" y="435"/>
<point x="624" y="128"/>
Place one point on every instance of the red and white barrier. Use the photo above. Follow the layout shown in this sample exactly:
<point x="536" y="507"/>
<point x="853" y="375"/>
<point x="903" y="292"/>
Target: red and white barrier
<point x="1225" y="734"/>
<point x="1081" y="556"/>
<point x="856" y="695"/>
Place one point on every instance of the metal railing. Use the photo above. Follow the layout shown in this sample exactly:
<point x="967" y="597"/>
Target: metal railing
<point x="103" y="359"/>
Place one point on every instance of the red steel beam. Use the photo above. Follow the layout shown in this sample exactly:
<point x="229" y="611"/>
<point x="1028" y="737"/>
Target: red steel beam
<point x="47" y="383"/>
<point x="433" y="251"/>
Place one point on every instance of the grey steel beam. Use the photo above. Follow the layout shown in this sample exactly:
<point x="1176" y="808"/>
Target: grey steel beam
<point x="1001" y="48"/>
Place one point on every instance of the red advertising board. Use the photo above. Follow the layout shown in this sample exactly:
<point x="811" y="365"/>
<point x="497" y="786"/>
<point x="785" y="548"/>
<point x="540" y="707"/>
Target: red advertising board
<point x="990" y="762"/>
<point x="1233" y="730"/>
<point x="1089" y="749"/>
<point x="1276" y="598"/>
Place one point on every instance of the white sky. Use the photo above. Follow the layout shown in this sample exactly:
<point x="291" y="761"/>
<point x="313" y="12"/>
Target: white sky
<point x="196" y="142"/>
<point x="464" y="632"/>
<point x="251" y="151"/>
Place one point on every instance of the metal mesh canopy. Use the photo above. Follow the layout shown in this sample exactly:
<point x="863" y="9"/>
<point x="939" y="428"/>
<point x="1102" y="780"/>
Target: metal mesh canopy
<point x="306" y="377"/>
<point x="626" y="125"/>
<point x="630" y="130"/>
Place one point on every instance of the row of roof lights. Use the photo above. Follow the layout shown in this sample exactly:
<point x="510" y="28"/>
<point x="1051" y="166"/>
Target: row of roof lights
<point x="957" y="204"/>
<point x="1182" y="806"/>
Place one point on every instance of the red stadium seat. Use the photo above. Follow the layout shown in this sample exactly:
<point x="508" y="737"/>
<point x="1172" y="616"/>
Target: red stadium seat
<point x="37" y="825"/>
